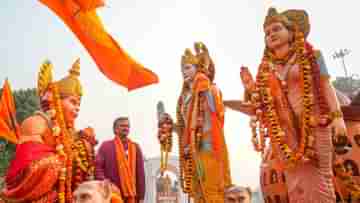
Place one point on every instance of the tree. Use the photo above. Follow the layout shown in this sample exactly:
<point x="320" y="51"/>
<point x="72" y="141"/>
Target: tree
<point x="26" y="102"/>
<point x="6" y="154"/>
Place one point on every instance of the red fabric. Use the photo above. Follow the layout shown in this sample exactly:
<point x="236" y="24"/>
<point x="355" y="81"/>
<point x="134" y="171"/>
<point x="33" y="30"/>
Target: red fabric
<point x="111" y="59"/>
<point x="25" y="154"/>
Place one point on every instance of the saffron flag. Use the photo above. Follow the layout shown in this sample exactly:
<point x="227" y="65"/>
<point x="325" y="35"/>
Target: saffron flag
<point x="113" y="61"/>
<point x="9" y="129"/>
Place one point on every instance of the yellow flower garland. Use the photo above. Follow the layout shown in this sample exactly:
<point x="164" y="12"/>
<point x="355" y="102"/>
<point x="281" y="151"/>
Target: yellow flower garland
<point x="63" y="144"/>
<point x="270" y="119"/>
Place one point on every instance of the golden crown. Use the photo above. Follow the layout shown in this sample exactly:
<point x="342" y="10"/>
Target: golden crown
<point x="201" y="59"/>
<point x="69" y="85"/>
<point x="189" y="58"/>
<point x="291" y="17"/>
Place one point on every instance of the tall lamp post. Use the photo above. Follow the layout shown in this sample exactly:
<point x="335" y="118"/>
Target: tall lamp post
<point x="341" y="55"/>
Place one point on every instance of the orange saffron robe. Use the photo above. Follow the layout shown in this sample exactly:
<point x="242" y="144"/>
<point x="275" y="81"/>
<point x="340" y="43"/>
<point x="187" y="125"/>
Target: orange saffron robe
<point x="212" y="155"/>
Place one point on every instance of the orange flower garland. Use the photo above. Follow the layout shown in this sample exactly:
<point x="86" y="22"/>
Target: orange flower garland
<point x="267" y="114"/>
<point x="63" y="144"/>
<point x="85" y="166"/>
<point x="347" y="180"/>
<point x="186" y="163"/>
<point x="165" y="144"/>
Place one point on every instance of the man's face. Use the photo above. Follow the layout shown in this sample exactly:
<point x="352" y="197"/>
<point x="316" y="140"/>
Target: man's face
<point x="188" y="72"/>
<point x="71" y="108"/>
<point x="238" y="197"/>
<point x="122" y="128"/>
<point x="276" y="35"/>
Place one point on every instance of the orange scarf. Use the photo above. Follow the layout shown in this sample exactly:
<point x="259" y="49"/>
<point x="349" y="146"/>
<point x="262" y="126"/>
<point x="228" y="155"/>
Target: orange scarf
<point x="127" y="169"/>
<point x="202" y="84"/>
<point x="115" y="198"/>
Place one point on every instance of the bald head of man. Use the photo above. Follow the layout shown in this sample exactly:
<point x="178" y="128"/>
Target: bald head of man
<point x="237" y="194"/>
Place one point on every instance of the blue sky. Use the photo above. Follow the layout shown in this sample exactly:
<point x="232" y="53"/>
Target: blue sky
<point x="156" y="33"/>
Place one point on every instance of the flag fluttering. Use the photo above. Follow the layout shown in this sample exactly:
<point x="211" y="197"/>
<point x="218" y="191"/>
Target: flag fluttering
<point x="113" y="61"/>
<point x="9" y="129"/>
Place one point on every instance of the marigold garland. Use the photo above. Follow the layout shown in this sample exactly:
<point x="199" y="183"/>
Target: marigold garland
<point x="68" y="150"/>
<point x="63" y="145"/>
<point x="165" y="144"/>
<point x="267" y="115"/>
<point x="186" y="163"/>
<point x="347" y="180"/>
<point x="268" y="120"/>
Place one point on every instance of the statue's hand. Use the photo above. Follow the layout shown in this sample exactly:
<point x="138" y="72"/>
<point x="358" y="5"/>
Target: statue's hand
<point x="165" y="129"/>
<point x="162" y="135"/>
<point x="247" y="78"/>
<point x="339" y="128"/>
<point x="89" y="135"/>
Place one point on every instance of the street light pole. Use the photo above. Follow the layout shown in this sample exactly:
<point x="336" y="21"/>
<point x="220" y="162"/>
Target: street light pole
<point x="341" y="55"/>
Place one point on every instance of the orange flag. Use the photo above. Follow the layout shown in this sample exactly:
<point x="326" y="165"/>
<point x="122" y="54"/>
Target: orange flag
<point x="88" y="5"/>
<point x="80" y="16"/>
<point x="9" y="128"/>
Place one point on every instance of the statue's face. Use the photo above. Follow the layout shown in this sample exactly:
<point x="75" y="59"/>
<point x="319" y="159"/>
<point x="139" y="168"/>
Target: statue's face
<point x="71" y="108"/>
<point x="91" y="193"/>
<point x="276" y="35"/>
<point x="188" y="72"/>
<point x="242" y="196"/>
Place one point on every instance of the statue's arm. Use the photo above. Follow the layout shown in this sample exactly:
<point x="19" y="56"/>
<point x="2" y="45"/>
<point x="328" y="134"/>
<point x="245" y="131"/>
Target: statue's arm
<point x="32" y="129"/>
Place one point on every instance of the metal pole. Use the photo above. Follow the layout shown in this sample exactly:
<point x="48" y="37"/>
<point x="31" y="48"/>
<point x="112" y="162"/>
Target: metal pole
<point x="341" y="54"/>
<point x="344" y="66"/>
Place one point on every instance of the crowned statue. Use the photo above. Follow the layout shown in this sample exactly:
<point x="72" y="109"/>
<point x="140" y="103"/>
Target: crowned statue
<point x="52" y="158"/>
<point x="293" y="104"/>
<point x="204" y="164"/>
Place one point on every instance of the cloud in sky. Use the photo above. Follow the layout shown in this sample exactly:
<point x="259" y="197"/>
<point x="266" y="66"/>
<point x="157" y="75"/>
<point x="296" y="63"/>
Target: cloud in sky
<point x="156" y="33"/>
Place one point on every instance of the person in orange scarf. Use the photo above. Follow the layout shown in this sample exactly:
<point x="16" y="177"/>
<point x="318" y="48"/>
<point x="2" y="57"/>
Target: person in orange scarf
<point x="121" y="161"/>
<point x="51" y="157"/>
<point x="204" y="164"/>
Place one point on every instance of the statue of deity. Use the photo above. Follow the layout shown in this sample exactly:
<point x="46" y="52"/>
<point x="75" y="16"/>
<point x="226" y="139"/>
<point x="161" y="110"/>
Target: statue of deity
<point x="52" y="158"/>
<point x="204" y="164"/>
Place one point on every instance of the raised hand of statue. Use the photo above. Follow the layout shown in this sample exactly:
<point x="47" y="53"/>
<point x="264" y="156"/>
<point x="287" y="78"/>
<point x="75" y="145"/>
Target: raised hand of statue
<point x="165" y="124"/>
<point x="89" y="135"/>
<point x="247" y="78"/>
<point x="165" y="127"/>
<point x="245" y="106"/>
<point x="339" y="128"/>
